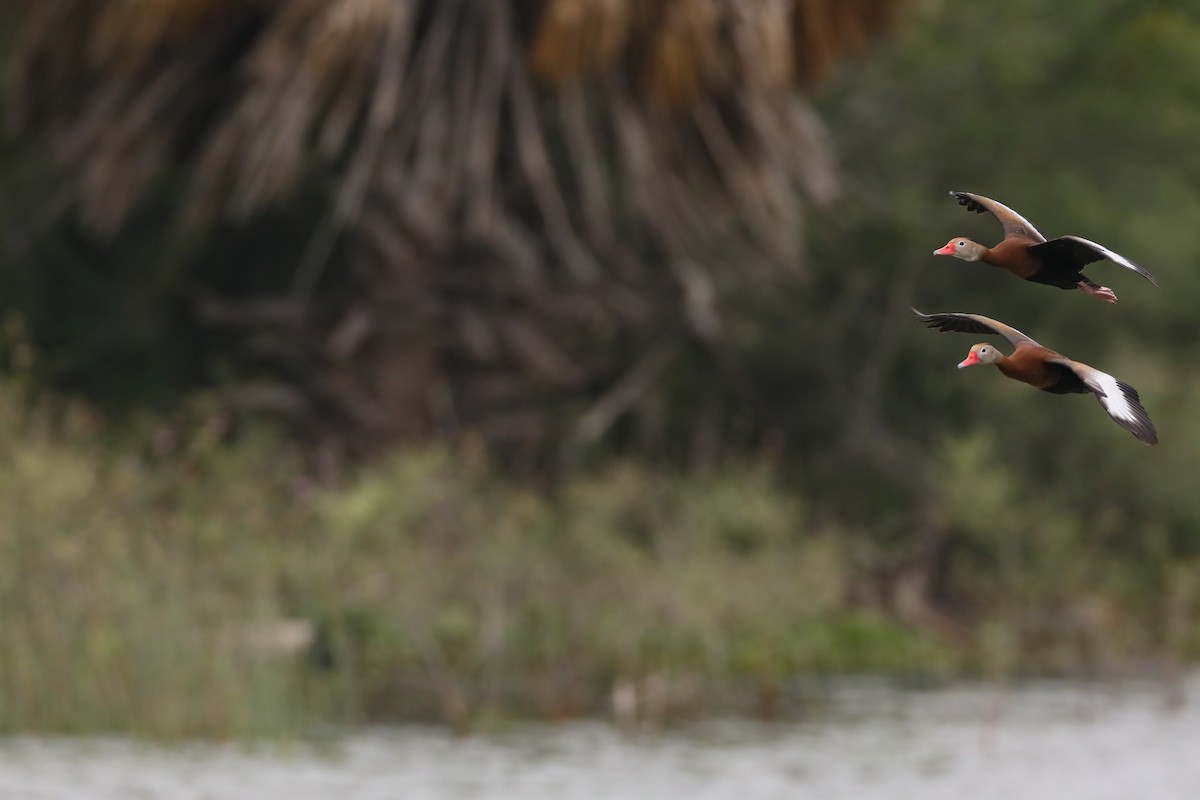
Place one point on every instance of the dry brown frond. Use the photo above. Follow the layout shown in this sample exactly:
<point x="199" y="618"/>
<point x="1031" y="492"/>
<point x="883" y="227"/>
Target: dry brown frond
<point x="826" y="31"/>
<point x="685" y="54"/>
<point x="577" y="40"/>
<point x="761" y="36"/>
<point x="127" y="34"/>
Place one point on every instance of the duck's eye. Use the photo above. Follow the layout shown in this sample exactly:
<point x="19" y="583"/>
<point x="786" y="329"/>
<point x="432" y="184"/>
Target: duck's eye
<point x="962" y="242"/>
<point x="983" y="351"/>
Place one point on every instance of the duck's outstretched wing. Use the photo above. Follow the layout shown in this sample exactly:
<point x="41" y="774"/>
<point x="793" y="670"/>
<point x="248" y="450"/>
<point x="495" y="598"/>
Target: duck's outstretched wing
<point x="1118" y="398"/>
<point x="960" y="322"/>
<point x="1012" y="222"/>
<point x="1074" y="252"/>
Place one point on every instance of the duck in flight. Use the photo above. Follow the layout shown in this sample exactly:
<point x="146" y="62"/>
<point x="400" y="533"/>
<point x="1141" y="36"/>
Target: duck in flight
<point x="1047" y="370"/>
<point x="1027" y="254"/>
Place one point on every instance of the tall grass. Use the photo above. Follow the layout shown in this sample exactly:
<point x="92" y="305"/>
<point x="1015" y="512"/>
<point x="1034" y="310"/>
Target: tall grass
<point x="493" y="597"/>
<point x="142" y="588"/>
<point x="123" y="580"/>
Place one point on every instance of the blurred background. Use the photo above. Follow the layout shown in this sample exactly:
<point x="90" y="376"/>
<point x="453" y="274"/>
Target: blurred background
<point x="462" y="361"/>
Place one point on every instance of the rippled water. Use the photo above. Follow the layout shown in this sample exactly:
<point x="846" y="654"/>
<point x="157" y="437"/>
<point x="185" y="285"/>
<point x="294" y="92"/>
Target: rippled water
<point x="1120" y="741"/>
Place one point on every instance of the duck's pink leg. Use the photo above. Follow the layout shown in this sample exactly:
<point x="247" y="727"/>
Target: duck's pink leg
<point x="1101" y="292"/>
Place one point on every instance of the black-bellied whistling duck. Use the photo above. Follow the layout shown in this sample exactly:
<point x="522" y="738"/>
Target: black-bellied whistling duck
<point x="1047" y="370"/>
<point x="1025" y="252"/>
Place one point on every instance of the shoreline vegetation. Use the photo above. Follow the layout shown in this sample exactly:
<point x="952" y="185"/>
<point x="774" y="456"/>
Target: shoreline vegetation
<point x="200" y="586"/>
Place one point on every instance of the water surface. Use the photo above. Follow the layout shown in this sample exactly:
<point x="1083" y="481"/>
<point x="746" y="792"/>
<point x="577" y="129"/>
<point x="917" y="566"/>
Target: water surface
<point x="1113" y="740"/>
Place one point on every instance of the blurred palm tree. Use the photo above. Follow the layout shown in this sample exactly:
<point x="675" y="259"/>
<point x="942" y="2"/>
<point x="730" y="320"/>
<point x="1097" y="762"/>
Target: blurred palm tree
<point x="525" y="211"/>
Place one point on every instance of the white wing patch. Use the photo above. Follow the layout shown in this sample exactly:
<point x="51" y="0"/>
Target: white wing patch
<point x="1114" y="257"/>
<point x="1112" y="398"/>
<point x="1123" y="404"/>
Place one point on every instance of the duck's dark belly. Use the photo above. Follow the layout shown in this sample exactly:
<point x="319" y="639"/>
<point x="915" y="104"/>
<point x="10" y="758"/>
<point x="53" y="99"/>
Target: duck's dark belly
<point x="1058" y="275"/>
<point x="1069" y="383"/>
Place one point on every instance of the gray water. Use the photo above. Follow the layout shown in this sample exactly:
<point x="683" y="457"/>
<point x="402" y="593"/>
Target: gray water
<point x="1079" y="742"/>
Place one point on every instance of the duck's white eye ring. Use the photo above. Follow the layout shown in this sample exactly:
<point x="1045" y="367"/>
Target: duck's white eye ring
<point x="983" y="351"/>
<point x="962" y="243"/>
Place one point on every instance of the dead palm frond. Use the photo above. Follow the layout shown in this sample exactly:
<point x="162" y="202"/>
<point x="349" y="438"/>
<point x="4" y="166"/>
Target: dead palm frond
<point x="503" y="174"/>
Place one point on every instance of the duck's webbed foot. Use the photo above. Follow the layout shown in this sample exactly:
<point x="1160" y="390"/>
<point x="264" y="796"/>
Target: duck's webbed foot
<point x="1099" y="292"/>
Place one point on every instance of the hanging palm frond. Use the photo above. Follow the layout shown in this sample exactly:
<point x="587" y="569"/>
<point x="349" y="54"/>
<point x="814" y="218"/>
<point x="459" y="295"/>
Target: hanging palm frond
<point x="505" y="178"/>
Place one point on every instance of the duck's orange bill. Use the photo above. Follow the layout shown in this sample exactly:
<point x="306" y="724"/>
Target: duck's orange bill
<point x="948" y="250"/>
<point x="970" y="361"/>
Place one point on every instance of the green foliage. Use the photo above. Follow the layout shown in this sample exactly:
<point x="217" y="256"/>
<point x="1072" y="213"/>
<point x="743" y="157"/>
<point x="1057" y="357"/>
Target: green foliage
<point x="626" y="573"/>
<point x="1084" y="120"/>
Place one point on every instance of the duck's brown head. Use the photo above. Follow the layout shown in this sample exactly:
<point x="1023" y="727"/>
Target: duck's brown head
<point x="982" y="353"/>
<point x="962" y="248"/>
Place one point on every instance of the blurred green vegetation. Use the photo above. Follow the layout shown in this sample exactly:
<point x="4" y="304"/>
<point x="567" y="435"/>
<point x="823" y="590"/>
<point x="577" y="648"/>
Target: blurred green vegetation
<point x="150" y="590"/>
<point x="1083" y="120"/>
<point x="867" y="506"/>
<point x="141" y="588"/>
